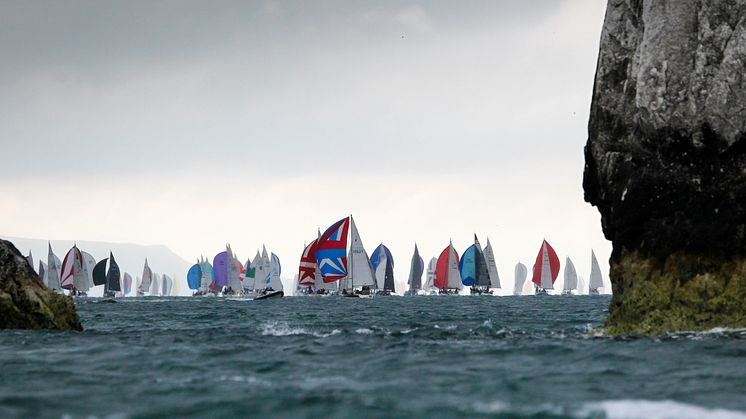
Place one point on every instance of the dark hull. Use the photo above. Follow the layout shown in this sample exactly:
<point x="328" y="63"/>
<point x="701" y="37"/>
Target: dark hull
<point x="272" y="294"/>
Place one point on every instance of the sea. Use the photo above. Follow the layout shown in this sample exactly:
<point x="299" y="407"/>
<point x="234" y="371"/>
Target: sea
<point x="385" y="357"/>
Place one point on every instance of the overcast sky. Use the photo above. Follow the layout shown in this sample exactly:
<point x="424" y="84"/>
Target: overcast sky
<point x="194" y="123"/>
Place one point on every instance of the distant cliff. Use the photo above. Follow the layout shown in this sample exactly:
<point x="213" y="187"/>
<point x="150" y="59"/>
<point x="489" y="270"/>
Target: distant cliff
<point x="666" y="162"/>
<point x="25" y="303"/>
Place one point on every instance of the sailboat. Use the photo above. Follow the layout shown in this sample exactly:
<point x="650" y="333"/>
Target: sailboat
<point x="308" y="269"/>
<point x="596" y="281"/>
<point x="146" y="281"/>
<point x="259" y="274"/>
<point x="383" y="265"/>
<point x="110" y="278"/>
<point x="521" y="272"/>
<point x="571" y="278"/>
<point x="546" y="269"/>
<point x="207" y="280"/>
<point x="473" y="269"/>
<point x="72" y="275"/>
<point x="43" y="273"/>
<point x="489" y="256"/>
<point x="30" y="260"/>
<point x="53" y="271"/>
<point x="234" y="267"/>
<point x="167" y="286"/>
<point x="220" y="267"/>
<point x="194" y="277"/>
<point x="155" y="285"/>
<point x="431" y="267"/>
<point x="331" y="253"/>
<point x="126" y="284"/>
<point x="275" y="277"/>
<point x="447" y="276"/>
<point x="360" y="280"/>
<point x="416" y="267"/>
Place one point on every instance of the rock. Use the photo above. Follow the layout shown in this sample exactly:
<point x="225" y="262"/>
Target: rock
<point x="666" y="162"/>
<point x="25" y="303"/>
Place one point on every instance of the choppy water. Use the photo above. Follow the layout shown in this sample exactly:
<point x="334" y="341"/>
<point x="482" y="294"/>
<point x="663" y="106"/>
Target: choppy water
<point x="385" y="357"/>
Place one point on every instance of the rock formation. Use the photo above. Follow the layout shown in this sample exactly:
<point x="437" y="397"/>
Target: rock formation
<point x="666" y="162"/>
<point x="25" y="303"/>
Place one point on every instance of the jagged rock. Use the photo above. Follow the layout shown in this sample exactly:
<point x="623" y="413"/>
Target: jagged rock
<point x="666" y="161"/>
<point x="25" y="303"/>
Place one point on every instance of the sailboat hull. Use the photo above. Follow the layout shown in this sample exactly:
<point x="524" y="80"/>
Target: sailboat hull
<point x="271" y="294"/>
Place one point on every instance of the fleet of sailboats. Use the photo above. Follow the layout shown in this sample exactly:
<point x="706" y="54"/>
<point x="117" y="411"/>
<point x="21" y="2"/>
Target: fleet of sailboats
<point x="334" y="263"/>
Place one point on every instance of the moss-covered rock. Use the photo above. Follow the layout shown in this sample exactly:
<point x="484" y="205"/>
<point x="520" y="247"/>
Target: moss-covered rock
<point x="25" y="303"/>
<point x="680" y="292"/>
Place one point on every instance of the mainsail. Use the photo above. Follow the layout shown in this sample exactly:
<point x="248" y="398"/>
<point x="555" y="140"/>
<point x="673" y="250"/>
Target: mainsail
<point x="431" y="266"/>
<point x="208" y="276"/>
<point x="521" y="272"/>
<point x="415" y="270"/>
<point x="596" y="280"/>
<point x="360" y="272"/>
<point x="53" y="270"/>
<point x="167" y="286"/>
<point x="489" y="256"/>
<point x="257" y="264"/>
<point x="43" y="273"/>
<point x="546" y="267"/>
<point x="234" y="267"/>
<point x="155" y="286"/>
<point x="88" y="264"/>
<point x="267" y="267"/>
<point x="127" y="283"/>
<point x="571" y="276"/>
<point x="30" y="259"/>
<point x="275" y="281"/>
<point x="147" y="279"/>
<point x="331" y="254"/>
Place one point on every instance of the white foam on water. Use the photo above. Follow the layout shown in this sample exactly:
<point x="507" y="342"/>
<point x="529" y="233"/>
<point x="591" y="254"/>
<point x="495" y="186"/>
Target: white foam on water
<point x="449" y="327"/>
<point x="363" y="331"/>
<point x="651" y="409"/>
<point x="283" y="329"/>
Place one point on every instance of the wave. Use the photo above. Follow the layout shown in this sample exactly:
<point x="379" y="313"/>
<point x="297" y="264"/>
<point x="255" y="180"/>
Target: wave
<point x="283" y="329"/>
<point x="613" y="409"/>
<point x="657" y="409"/>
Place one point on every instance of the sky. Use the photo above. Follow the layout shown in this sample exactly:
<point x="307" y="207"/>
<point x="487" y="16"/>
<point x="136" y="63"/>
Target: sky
<point x="192" y="124"/>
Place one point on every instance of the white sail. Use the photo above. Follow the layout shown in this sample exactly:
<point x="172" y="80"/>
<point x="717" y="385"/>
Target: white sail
<point x="489" y="256"/>
<point x="571" y="276"/>
<point x="596" y="280"/>
<point x="155" y="287"/>
<point x="234" y="279"/>
<point x="147" y="279"/>
<point x="260" y="281"/>
<point x="582" y="289"/>
<point x="381" y="268"/>
<point x="275" y="281"/>
<point x="430" y="283"/>
<point x="167" y="286"/>
<point x="546" y="269"/>
<point x="53" y="270"/>
<point x="267" y="266"/>
<point x="88" y="265"/>
<point x="206" y="278"/>
<point x="83" y="277"/>
<point x="521" y="272"/>
<point x="454" y="275"/>
<point x="43" y="273"/>
<point x="360" y="271"/>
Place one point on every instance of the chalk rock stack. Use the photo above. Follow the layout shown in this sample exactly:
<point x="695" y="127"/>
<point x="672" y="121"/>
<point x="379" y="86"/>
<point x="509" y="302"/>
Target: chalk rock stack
<point x="666" y="163"/>
<point x="25" y="303"/>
